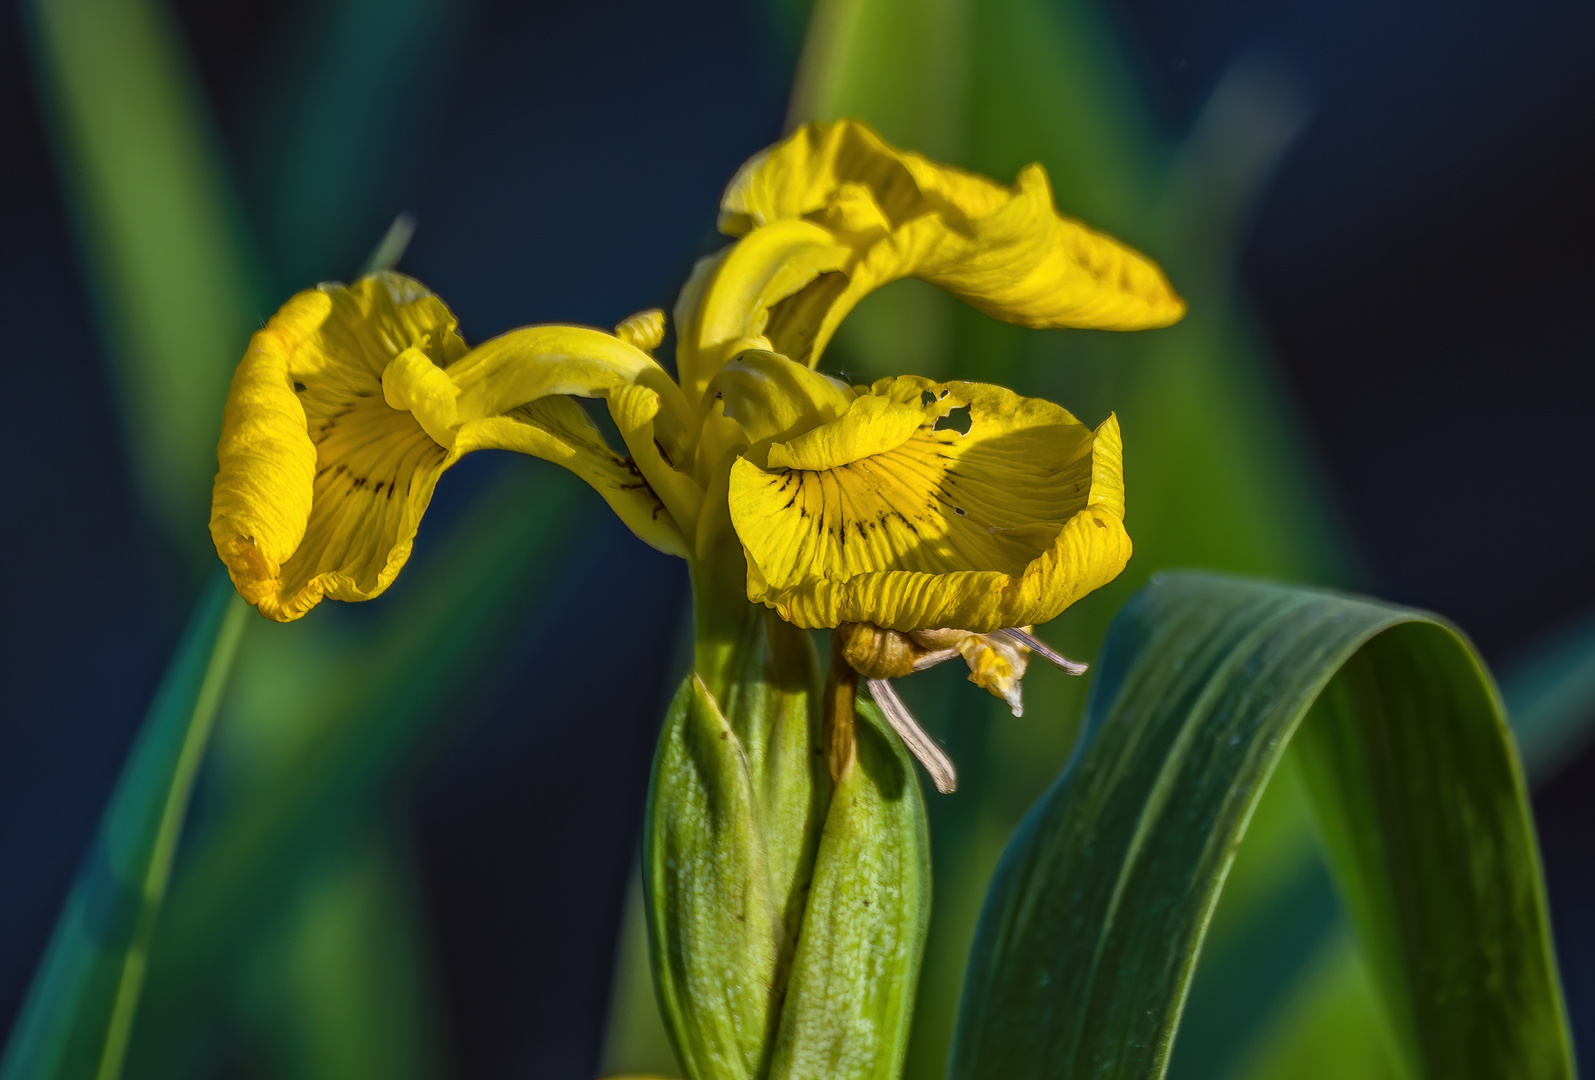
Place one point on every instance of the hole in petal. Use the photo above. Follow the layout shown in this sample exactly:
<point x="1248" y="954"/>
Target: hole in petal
<point x="299" y="387"/>
<point x="597" y="410"/>
<point x="957" y="419"/>
<point x="927" y="398"/>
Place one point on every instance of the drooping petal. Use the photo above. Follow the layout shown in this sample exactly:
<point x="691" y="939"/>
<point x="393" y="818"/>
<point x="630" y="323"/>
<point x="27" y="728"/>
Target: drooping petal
<point x="539" y="362"/>
<point x="1005" y="525"/>
<point x="352" y="401"/>
<point x="1004" y="250"/>
<point x="543" y="361"/>
<point x="558" y="429"/>
<point x="321" y="483"/>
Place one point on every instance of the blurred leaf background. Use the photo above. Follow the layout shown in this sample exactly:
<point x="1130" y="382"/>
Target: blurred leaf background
<point x="410" y="844"/>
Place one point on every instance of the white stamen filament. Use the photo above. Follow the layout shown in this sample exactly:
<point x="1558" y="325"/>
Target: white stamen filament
<point x="1041" y="648"/>
<point x="919" y="743"/>
<point x="931" y="659"/>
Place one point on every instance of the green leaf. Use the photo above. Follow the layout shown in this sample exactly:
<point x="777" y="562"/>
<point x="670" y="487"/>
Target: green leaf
<point x="1312" y="1010"/>
<point x="1088" y="939"/>
<point x="160" y="232"/>
<point x="350" y="713"/>
<point x="80" y="1007"/>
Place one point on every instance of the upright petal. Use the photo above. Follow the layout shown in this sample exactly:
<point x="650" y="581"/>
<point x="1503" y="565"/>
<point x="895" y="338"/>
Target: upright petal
<point x="725" y="306"/>
<point x="1004" y="250"/>
<point x="1005" y="525"/>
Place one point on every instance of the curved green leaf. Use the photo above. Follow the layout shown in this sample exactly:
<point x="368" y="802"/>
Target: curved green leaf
<point x="1317" y="1020"/>
<point x="1089" y="936"/>
<point x="79" y="1010"/>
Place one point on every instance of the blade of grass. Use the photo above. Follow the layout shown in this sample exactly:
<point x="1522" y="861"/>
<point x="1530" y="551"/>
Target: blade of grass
<point x="1088" y="940"/>
<point x="79" y="1011"/>
<point x="361" y="710"/>
<point x="177" y="283"/>
<point x="162" y="239"/>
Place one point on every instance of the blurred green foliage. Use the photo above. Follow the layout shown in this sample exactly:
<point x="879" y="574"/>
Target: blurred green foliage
<point x="161" y="232"/>
<point x="80" y="1009"/>
<point x="326" y="718"/>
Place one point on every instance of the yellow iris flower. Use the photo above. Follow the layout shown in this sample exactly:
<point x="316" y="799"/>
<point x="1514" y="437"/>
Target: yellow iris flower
<point x="909" y="506"/>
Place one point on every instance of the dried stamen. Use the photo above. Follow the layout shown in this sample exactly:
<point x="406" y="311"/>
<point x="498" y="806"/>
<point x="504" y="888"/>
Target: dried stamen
<point x="1041" y="648"/>
<point x="931" y="659"/>
<point x="919" y="743"/>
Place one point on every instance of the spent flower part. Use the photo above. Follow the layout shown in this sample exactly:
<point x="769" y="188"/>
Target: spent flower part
<point x="997" y="663"/>
<point x="832" y="505"/>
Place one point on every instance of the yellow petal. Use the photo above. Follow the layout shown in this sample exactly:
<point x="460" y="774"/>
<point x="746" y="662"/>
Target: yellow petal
<point x="558" y="429"/>
<point x="350" y="404"/>
<point x="539" y="362"/>
<point x="1003" y="526"/>
<point x="773" y="398"/>
<point x="725" y="306"/>
<point x="321" y="483"/>
<point x="1005" y="250"/>
<point x="542" y="361"/>
<point x="872" y="425"/>
<point x="645" y="330"/>
<point x="413" y="383"/>
<point x="635" y="410"/>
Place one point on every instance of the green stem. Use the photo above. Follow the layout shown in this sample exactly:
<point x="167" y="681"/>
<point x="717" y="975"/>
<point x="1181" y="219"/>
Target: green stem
<point x="724" y="622"/>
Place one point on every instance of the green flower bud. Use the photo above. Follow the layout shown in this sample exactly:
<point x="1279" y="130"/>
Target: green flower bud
<point x="786" y="914"/>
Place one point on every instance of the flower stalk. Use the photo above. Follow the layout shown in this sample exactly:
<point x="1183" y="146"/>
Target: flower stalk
<point x="841" y="696"/>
